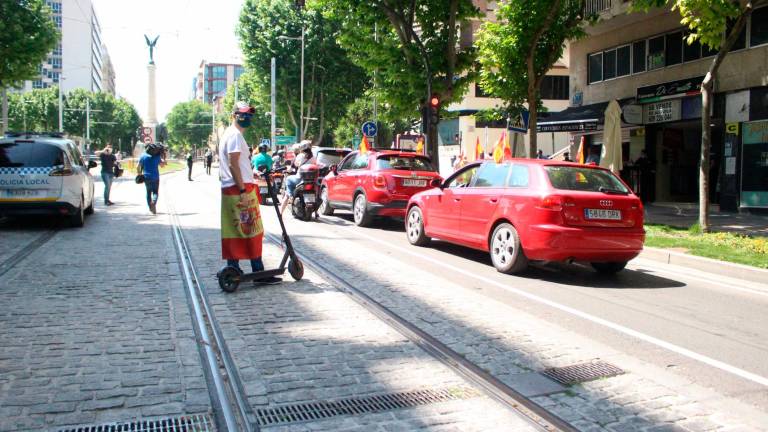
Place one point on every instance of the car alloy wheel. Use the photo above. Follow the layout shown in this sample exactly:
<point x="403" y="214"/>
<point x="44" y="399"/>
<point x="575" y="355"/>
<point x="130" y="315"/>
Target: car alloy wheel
<point x="360" y="211"/>
<point x="414" y="227"/>
<point x="325" y="206"/>
<point x="506" y="251"/>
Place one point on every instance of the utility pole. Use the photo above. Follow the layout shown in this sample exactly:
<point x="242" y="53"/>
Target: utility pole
<point x="301" y="103"/>
<point x="61" y="108"/>
<point x="88" y="124"/>
<point x="273" y="95"/>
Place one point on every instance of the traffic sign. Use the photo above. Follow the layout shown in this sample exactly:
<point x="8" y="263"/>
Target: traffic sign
<point x="147" y="131"/>
<point x="265" y="141"/>
<point x="285" y="140"/>
<point x="369" y="129"/>
<point x="520" y="124"/>
<point x="147" y="140"/>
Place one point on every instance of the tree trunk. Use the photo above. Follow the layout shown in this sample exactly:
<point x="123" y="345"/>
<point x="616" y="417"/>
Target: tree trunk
<point x="706" y="140"/>
<point x="532" y="110"/>
<point x="321" y="126"/>
<point x="5" y="111"/>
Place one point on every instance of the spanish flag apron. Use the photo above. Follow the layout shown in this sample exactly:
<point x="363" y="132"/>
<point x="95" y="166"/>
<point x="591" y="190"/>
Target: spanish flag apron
<point x="241" y="230"/>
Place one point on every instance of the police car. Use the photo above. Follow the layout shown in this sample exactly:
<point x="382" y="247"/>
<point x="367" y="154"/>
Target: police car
<point x="44" y="174"/>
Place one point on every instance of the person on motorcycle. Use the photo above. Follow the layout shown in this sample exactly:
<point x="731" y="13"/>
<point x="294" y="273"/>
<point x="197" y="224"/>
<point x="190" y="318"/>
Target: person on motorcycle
<point x="303" y="155"/>
<point x="262" y="158"/>
<point x="278" y="159"/>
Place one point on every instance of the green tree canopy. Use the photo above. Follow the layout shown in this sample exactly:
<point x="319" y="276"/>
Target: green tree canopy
<point x="27" y="35"/>
<point x="517" y="50"/>
<point x="36" y="110"/>
<point x="189" y="125"/>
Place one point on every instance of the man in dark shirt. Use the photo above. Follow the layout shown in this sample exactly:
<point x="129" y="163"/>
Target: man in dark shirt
<point x="108" y="161"/>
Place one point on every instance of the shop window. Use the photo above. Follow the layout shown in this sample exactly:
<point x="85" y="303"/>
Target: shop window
<point x="638" y="57"/>
<point x="759" y="32"/>
<point x="595" y="67"/>
<point x="554" y="87"/>
<point x="656" y="53"/>
<point x="674" y="49"/>
<point x="691" y="52"/>
<point x="609" y="64"/>
<point x="623" y="60"/>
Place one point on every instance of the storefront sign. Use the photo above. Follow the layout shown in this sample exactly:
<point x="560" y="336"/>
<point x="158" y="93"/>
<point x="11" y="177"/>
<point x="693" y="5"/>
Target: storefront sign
<point x="568" y="127"/>
<point x="662" y="112"/>
<point x="754" y="165"/>
<point x="732" y="128"/>
<point x="632" y="113"/>
<point x="674" y="89"/>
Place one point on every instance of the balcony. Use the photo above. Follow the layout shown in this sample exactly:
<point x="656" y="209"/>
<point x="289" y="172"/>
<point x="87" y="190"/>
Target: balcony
<point x="593" y="7"/>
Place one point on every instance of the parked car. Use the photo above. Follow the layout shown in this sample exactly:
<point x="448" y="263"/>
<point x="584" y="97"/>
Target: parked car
<point x="376" y="183"/>
<point x="329" y="156"/>
<point x="44" y="174"/>
<point x="532" y="209"/>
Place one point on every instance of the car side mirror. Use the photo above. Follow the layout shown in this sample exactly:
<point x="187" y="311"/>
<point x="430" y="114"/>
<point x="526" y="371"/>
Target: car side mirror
<point x="91" y="164"/>
<point x="436" y="182"/>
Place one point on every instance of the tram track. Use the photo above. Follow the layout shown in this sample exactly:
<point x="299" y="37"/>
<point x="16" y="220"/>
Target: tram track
<point x="11" y="262"/>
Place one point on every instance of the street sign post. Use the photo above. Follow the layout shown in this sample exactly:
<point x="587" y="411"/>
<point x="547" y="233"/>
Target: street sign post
<point x="285" y="140"/>
<point x="265" y="141"/>
<point x="519" y="124"/>
<point x="369" y="129"/>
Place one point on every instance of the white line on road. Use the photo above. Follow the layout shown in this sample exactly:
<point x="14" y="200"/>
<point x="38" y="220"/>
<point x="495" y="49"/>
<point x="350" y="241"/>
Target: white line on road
<point x="617" y="327"/>
<point x="647" y="265"/>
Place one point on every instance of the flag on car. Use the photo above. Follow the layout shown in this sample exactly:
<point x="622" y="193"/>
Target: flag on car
<point x="580" y="153"/>
<point x="478" y="149"/>
<point x="507" y="148"/>
<point x="498" y="151"/>
<point x="364" y="145"/>
<point x="420" y="145"/>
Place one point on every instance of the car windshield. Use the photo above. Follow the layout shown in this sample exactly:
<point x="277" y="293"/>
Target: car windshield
<point x="409" y="163"/>
<point x="29" y="154"/>
<point x="330" y="157"/>
<point x="584" y="179"/>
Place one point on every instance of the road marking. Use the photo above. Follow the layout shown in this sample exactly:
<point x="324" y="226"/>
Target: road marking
<point x="597" y="320"/>
<point x="646" y="265"/>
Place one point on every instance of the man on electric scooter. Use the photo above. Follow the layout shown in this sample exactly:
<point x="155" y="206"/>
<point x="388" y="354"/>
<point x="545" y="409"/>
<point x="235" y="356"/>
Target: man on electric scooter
<point x="242" y="231"/>
<point x="303" y="155"/>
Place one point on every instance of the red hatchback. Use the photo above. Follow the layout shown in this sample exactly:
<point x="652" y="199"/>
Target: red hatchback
<point x="376" y="183"/>
<point x="529" y="209"/>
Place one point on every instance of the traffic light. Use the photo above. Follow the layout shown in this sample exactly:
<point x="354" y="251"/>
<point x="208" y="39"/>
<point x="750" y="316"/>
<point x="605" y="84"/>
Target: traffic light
<point x="434" y="110"/>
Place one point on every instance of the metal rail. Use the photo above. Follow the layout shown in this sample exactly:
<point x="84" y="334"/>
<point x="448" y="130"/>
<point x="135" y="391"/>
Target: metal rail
<point x="237" y="415"/>
<point x="24" y="252"/>
<point x="537" y="416"/>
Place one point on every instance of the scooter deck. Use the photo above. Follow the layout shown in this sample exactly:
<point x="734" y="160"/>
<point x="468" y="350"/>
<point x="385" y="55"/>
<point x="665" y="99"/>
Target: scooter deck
<point x="262" y="274"/>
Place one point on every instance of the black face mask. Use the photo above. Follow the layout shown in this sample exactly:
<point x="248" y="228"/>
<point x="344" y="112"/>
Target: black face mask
<point x="244" y="121"/>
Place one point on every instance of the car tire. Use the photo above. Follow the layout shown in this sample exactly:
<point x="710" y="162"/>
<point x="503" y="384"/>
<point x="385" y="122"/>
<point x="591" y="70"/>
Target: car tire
<point x="89" y="209"/>
<point x="609" y="268"/>
<point x="362" y="216"/>
<point x="77" y="219"/>
<point x="325" y="206"/>
<point x="506" y="250"/>
<point x="414" y="227"/>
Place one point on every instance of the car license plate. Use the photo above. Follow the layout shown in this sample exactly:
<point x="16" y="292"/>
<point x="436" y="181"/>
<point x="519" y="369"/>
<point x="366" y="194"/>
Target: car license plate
<point x="414" y="182"/>
<point x="602" y="214"/>
<point x="309" y="198"/>
<point x="23" y="193"/>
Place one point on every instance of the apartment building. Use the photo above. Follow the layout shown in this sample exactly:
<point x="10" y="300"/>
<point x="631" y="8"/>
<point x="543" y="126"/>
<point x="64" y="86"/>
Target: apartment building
<point x="643" y="61"/>
<point x="78" y="56"/>
<point x="213" y="78"/>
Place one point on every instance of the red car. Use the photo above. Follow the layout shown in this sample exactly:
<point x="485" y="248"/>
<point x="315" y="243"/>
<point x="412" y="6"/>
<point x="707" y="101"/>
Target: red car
<point x="530" y="209"/>
<point x="376" y="183"/>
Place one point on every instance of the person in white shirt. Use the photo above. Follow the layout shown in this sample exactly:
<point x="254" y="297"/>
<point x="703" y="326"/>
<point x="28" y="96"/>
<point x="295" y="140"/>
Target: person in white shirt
<point x="242" y="232"/>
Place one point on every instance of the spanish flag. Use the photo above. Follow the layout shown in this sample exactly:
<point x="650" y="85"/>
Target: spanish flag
<point x="507" y="148"/>
<point x="498" y="151"/>
<point x="479" y="151"/>
<point x="580" y="153"/>
<point x="364" y="145"/>
<point x="420" y="145"/>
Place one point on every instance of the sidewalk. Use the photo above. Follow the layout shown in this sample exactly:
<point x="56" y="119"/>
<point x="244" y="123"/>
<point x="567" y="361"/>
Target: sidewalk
<point x="684" y="215"/>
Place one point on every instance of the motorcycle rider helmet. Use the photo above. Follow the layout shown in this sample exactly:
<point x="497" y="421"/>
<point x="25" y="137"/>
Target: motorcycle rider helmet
<point x="263" y="148"/>
<point x="305" y="145"/>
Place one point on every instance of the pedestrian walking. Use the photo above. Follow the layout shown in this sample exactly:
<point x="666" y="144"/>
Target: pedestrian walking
<point x="149" y="167"/>
<point x="208" y="161"/>
<point x="242" y="232"/>
<point x="108" y="161"/>
<point x="190" y="162"/>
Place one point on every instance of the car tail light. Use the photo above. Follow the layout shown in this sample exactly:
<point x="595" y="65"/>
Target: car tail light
<point x="380" y="181"/>
<point x="61" y="171"/>
<point x="552" y="202"/>
<point x="309" y="186"/>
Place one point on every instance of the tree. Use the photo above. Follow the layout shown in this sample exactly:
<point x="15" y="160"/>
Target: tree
<point x="35" y="110"/>
<point x="189" y="125"/>
<point x="517" y="51"/>
<point x="27" y="35"/>
<point x="716" y="24"/>
<point x="358" y="112"/>
<point x="414" y="51"/>
<point x="331" y="80"/>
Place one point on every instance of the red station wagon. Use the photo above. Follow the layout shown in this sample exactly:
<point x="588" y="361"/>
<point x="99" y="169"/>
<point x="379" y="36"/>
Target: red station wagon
<point x="376" y="183"/>
<point x="529" y="209"/>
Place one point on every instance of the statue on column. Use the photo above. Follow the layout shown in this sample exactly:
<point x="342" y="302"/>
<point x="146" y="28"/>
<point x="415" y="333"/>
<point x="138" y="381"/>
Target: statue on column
<point x="151" y="46"/>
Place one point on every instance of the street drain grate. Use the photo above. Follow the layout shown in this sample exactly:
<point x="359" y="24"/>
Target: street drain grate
<point x="187" y="423"/>
<point x="302" y="412"/>
<point x="583" y="372"/>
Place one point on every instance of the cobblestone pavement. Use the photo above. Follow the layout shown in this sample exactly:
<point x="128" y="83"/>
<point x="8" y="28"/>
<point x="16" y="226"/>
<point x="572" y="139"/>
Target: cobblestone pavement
<point x="94" y="325"/>
<point x="509" y="342"/>
<point x="306" y="341"/>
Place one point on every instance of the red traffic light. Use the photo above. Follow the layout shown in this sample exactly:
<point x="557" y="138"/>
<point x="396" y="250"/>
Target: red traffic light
<point x="434" y="102"/>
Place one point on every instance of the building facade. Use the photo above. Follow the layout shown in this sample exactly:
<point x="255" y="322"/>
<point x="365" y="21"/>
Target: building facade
<point x="76" y="61"/>
<point x="107" y="72"/>
<point x="213" y="78"/>
<point x="644" y="61"/>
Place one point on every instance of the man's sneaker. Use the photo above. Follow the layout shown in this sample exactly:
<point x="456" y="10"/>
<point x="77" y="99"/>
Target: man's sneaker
<point x="152" y="208"/>
<point x="268" y="281"/>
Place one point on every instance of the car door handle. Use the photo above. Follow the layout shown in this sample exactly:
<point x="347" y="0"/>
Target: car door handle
<point x="493" y="200"/>
<point x="457" y="199"/>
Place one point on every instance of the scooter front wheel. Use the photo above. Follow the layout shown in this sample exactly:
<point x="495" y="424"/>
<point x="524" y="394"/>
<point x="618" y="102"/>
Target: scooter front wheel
<point x="229" y="278"/>
<point x="296" y="269"/>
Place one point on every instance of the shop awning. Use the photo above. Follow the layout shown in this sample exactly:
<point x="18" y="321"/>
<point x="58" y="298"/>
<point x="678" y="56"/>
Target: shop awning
<point x="576" y="119"/>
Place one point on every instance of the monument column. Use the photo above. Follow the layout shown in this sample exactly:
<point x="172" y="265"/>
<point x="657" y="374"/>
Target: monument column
<point x="151" y="100"/>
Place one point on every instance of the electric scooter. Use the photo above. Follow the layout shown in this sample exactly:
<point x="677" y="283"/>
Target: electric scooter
<point x="231" y="277"/>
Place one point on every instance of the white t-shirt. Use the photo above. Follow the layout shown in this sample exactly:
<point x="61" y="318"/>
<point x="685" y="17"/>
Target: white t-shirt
<point x="233" y="142"/>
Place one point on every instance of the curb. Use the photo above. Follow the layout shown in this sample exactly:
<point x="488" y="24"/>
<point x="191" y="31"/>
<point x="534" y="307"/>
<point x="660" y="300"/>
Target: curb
<point x="708" y="265"/>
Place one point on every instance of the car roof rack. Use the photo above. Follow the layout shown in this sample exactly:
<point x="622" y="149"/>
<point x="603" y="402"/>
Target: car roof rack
<point x="16" y="134"/>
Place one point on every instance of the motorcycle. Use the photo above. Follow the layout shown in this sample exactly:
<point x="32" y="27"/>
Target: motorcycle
<point x="276" y="178"/>
<point x="306" y="198"/>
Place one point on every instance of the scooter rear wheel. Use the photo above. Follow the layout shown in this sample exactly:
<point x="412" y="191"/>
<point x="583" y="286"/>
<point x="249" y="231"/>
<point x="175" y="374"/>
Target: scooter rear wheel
<point x="296" y="269"/>
<point x="229" y="278"/>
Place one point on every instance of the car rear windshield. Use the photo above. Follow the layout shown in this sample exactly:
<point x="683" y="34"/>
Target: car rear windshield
<point x="29" y="154"/>
<point x="330" y="157"/>
<point x="407" y="163"/>
<point x="584" y="179"/>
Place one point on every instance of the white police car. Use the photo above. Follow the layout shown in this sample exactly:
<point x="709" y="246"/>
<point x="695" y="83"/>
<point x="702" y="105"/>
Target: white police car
<point x="43" y="173"/>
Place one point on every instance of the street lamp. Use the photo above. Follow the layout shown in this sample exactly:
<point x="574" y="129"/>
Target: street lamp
<point x="301" y="103"/>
